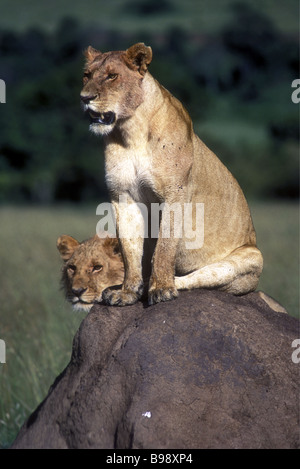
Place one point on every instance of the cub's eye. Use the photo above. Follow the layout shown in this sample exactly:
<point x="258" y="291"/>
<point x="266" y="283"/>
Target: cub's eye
<point x="97" y="268"/>
<point x="71" y="268"/>
<point x="112" y="76"/>
<point x="86" y="77"/>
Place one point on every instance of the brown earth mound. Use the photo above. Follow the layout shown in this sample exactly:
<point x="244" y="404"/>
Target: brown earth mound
<point x="207" y="370"/>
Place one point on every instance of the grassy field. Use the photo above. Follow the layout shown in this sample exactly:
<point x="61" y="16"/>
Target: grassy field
<point x="38" y="326"/>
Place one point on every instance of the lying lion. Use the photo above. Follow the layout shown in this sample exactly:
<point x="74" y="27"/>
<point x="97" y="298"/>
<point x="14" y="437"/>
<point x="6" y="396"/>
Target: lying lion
<point x="93" y="265"/>
<point x="152" y="156"/>
<point x="89" y="267"/>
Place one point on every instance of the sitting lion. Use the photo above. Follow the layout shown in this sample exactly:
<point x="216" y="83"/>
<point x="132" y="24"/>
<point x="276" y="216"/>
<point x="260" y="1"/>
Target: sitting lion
<point x="89" y="267"/>
<point x="153" y="157"/>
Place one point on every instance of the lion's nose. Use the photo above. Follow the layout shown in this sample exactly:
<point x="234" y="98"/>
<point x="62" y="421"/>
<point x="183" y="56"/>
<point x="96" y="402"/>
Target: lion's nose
<point x="78" y="291"/>
<point x="87" y="98"/>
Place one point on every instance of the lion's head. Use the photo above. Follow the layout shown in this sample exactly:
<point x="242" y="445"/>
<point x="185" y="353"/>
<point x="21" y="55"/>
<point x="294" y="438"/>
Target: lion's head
<point x="113" y="85"/>
<point x="89" y="267"/>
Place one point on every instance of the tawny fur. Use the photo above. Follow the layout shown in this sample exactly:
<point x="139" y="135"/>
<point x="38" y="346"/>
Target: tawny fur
<point x="89" y="267"/>
<point x="152" y="155"/>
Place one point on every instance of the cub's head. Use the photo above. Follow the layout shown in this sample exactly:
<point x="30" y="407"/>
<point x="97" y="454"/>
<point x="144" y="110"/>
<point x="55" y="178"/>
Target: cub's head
<point x="89" y="267"/>
<point x="112" y="85"/>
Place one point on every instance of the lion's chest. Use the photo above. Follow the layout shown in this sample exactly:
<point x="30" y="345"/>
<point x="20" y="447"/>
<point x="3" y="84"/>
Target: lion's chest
<point x="129" y="171"/>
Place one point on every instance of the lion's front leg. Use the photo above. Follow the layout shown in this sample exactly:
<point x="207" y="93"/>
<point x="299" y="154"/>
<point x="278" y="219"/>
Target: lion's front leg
<point x="130" y="229"/>
<point x="162" y="287"/>
<point x="162" y="282"/>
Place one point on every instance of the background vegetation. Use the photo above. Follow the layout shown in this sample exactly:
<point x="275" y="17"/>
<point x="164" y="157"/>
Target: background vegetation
<point x="232" y="65"/>
<point x="233" y="72"/>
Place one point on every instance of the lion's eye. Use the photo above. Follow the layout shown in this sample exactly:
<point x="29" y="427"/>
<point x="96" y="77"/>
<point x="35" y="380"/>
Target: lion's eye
<point x="112" y="76"/>
<point x="97" y="268"/>
<point x="86" y="77"/>
<point x="72" y="268"/>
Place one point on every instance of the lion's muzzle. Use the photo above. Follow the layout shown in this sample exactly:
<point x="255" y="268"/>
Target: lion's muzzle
<point x="103" y="118"/>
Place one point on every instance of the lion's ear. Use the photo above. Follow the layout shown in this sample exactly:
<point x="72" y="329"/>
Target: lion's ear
<point x="139" y="56"/>
<point x="66" y="246"/>
<point x="113" y="244"/>
<point x="91" y="53"/>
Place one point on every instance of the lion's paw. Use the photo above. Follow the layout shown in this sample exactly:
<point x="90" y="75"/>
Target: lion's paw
<point x="156" y="295"/>
<point x="120" y="297"/>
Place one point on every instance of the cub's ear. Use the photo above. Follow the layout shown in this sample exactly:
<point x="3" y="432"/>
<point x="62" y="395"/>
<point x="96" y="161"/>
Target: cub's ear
<point x="90" y="53"/>
<point x="66" y="246"/>
<point x="139" y="56"/>
<point x="112" y="244"/>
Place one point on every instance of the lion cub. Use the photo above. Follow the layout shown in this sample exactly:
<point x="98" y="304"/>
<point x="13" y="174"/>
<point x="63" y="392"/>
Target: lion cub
<point x="154" y="158"/>
<point x="89" y="267"/>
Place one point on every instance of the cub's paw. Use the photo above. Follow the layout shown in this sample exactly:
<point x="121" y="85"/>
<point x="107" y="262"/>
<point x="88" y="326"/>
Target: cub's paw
<point x="156" y="295"/>
<point x="120" y="297"/>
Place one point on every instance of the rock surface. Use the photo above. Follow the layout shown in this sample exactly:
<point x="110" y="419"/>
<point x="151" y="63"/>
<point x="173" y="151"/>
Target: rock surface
<point x="207" y="370"/>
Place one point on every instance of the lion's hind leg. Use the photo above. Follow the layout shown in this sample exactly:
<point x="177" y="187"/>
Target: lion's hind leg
<point x="238" y="273"/>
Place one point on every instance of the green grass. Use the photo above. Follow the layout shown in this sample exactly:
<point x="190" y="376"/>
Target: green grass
<point x="37" y="324"/>
<point x="277" y="229"/>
